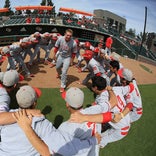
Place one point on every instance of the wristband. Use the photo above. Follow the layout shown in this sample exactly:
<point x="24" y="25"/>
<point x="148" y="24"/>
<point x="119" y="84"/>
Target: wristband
<point x="98" y="74"/>
<point x="122" y="116"/>
<point x="129" y="105"/>
<point x="106" y="117"/>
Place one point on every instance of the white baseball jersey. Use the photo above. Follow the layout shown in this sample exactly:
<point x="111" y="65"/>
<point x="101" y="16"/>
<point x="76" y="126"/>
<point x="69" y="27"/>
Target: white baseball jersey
<point x="120" y="92"/>
<point x="57" y="141"/>
<point x="4" y="100"/>
<point x="84" y="130"/>
<point x="66" y="48"/>
<point x="135" y="98"/>
<point x="103" y="101"/>
<point x="95" y="67"/>
<point x="120" y="129"/>
<point x="15" y="49"/>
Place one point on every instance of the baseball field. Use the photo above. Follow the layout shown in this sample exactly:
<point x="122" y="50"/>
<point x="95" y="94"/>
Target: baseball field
<point x="141" y="139"/>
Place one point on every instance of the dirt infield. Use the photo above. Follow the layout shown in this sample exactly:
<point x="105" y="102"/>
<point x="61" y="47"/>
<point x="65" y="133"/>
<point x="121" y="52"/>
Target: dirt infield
<point x="45" y="77"/>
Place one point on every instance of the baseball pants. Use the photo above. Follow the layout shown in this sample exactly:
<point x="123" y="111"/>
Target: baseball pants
<point x="62" y="66"/>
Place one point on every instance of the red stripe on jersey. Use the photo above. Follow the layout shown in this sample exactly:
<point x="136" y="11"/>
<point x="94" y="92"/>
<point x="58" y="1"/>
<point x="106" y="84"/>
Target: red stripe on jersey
<point x="139" y="109"/>
<point x="131" y="87"/>
<point x="139" y="112"/>
<point x="124" y="133"/>
<point x="125" y="128"/>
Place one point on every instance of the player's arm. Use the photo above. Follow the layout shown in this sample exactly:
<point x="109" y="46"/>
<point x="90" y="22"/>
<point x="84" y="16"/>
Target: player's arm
<point x="6" y="117"/>
<point x="119" y="116"/>
<point x="25" y="123"/>
<point x="98" y="118"/>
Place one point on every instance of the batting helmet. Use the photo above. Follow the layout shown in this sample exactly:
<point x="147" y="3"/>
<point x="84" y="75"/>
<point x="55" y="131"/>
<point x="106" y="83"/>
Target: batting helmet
<point x="87" y="44"/>
<point x="96" y="50"/>
<point x="88" y="54"/>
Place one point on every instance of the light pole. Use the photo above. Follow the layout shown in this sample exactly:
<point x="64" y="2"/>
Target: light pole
<point x="143" y="34"/>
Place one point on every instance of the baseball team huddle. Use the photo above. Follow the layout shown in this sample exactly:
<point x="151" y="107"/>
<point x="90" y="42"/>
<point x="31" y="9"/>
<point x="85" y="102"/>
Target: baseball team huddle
<point x="25" y="131"/>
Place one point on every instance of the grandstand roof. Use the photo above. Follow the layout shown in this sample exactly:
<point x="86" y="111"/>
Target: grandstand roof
<point x="4" y="9"/>
<point x="75" y="11"/>
<point x="34" y="7"/>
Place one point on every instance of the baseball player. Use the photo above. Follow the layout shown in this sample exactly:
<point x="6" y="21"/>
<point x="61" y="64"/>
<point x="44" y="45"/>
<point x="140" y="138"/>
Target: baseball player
<point x="27" y="49"/>
<point x="66" y="47"/>
<point x="37" y="36"/>
<point x="9" y="80"/>
<point x="52" y="42"/>
<point x="86" y="46"/>
<point x="2" y="59"/>
<point x="13" y="53"/>
<point x="118" y="130"/>
<point x="77" y="54"/>
<point x="56" y="142"/>
<point x="44" y="44"/>
<point x="133" y="99"/>
<point x="74" y="98"/>
<point x="94" y="67"/>
<point x="114" y="67"/>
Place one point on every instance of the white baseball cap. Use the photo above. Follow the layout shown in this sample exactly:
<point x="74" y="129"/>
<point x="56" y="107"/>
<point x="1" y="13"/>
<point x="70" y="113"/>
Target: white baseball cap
<point x="5" y="49"/>
<point x="37" y="34"/>
<point x="11" y="77"/>
<point x="25" y="40"/>
<point x="33" y="39"/>
<point x="115" y="56"/>
<point x="74" y="97"/>
<point x="126" y="74"/>
<point x="46" y="34"/>
<point x="27" y="95"/>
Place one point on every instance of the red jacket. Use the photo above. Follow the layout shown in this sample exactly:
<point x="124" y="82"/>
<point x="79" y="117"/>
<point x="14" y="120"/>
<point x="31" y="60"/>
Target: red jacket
<point x="109" y="42"/>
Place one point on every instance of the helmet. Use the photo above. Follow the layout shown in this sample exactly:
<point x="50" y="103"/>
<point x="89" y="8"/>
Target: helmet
<point x="87" y="44"/>
<point x="88" y="54"/>
<point x="96" y="50"/>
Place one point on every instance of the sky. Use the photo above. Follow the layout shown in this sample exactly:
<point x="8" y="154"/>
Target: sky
<point x="132" y="10"/>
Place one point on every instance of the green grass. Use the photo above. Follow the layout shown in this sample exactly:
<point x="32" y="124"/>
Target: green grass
<point x="141" y="139"/>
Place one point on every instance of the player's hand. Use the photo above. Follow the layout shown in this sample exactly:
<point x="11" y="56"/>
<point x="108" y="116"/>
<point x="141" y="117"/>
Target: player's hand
<point x="98" y="137"/>
<point x="109" y="88"/>
<point x="117" y="117"/>
<point x="34" y="112"/>
<point x="77" y="117"/>
<point x="22" y="119"/>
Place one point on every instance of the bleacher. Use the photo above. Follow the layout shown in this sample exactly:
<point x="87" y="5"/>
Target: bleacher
<point x="45" y="19"/>
<point x="22" y="20"/>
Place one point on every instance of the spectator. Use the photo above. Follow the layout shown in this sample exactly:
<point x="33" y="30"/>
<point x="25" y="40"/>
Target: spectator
<point x="109" y="42"/>
<point x="28" y="20"/>
<point x="37" y="20"/>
